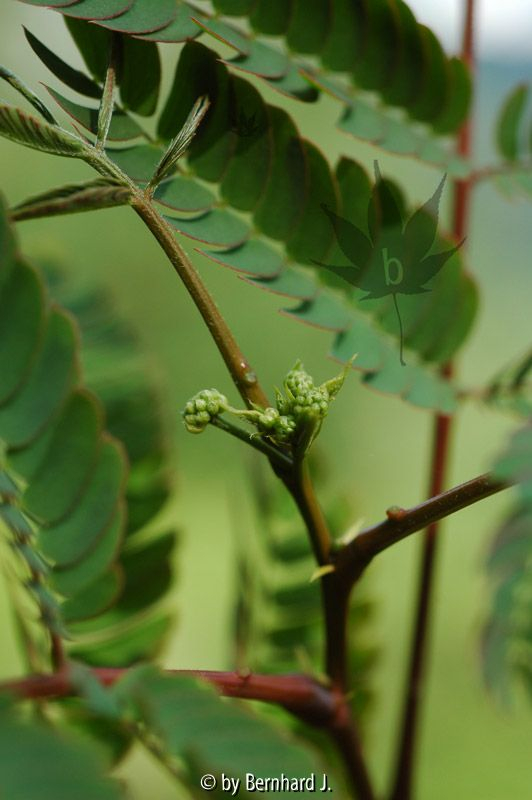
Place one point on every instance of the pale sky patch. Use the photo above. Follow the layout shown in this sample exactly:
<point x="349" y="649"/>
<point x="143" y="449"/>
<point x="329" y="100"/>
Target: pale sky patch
<point x="504" y="27"/>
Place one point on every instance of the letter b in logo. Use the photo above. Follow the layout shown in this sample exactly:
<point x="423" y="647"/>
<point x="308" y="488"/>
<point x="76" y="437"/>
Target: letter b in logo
<point x="393" y="269"/>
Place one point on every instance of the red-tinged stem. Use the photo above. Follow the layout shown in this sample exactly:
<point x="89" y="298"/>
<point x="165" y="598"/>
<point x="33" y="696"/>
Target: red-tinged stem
<point x="345" y="734"/>
<point x="403" y="786"/>
<point x="405" y="763"/>
<point x="299" y="694"/>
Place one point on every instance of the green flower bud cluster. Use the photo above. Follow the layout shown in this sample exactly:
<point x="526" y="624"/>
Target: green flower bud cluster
<point x="296" y="420"/>
<point x="304" y="401"/>
<point x="202" y="408"/>
<point x="312" y="402"/>
<point x="278" y="427"/>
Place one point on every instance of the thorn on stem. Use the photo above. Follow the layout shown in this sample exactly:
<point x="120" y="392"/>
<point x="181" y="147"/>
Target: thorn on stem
<point x="395" y="513"/>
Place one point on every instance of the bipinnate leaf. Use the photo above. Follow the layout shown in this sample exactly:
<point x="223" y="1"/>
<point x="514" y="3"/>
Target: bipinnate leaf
<point x="283" y="180"/>
<point x="507" y="635"/>
<point x="511" y="388"/>
<point x="41" y="763"/>
<point x="23" y="128"/>
<point x="63" y="477"/>
<point x="135" y="626"/>
<point x="382" y="48"/>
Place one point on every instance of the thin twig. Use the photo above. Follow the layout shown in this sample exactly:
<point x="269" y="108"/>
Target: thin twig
<point x="400" y="523"/>
<point x="415" y="685"/>
<point x="57" y="652"/>
<point x="255" y="441"/>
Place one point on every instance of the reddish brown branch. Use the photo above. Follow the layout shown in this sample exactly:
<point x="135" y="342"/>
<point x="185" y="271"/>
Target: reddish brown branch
<point x="400" y="523"/>
<point x="299" y="694"/>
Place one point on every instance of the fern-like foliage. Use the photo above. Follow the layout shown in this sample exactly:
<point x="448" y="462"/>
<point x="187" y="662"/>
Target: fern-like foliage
<point x="511" y="388"/>
<point x="64" y="486"/>
<point x="507" y="638"/>
<point x="134" y="416"/>
<point x="377" y="47"/>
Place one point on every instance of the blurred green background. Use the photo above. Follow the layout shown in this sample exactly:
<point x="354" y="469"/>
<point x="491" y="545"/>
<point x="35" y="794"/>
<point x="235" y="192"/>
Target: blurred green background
<point x="376" y="448"/>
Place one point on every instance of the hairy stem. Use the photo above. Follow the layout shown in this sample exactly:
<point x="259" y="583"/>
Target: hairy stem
<point x="105" y="112"/>
<point x="415" y="687"/>
<point x="241" y="372"/>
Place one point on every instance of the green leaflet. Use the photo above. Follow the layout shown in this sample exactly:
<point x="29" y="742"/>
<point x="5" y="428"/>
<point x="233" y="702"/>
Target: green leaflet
<point x="514" y="143"/>
<point x="507" y="635"/>
<point x="72" y="78"/>
<point x="138" y="70"/>
<point x="271" y="16"/>
<point x="307" y="33"/>
<point x="63" y="478"/>
<point x="61" y="766"/>
<point x="509" y="123"/>
<point x="144" y="16"/>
